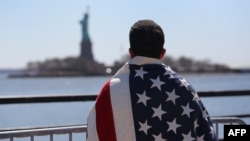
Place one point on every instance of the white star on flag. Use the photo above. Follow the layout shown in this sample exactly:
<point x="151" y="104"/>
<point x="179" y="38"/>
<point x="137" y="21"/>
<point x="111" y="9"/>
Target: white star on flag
<point x="196" y="124"/>
<point x="157" y="83"/>
<point x="201" y="138"/>
<point x="144" y="127"/>
<point x="211" y="130"/>
<point x="158" y="112"/>
<point x="188" y="137"/>
<point x="158" y="137"/>
<point x="187" y="110"/>
<point x="196" y="97"/>
<point x="172" y="96"/>
<point x="204" y="113"/>
<point x="173" y="126"/>
<point x="184" y="83"/>
<point x="140" y="73"/>
<point x="143" y="98"/>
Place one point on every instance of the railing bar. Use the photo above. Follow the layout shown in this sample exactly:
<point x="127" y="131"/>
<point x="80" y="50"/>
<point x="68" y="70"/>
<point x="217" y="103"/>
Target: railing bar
<point x="76" y="126"/>
<point x="217" y="130"/>
<point x="32" y="138"/>
<point x="45" y="99"/>
<point x="44" y="131"/>
<point x="224" y="93"/>
<point x="238" y="115"/>
<point x="51" y="136"/>
<point x="11" y="138"/>
<point x="91" y="97"/>
<point x="70" y="136"/>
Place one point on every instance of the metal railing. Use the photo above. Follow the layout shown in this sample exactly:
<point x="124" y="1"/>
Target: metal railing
<point x="69" y="130"/>
<point x="221" y="121"/>
<point x="31" y="133"/>
<point x="43" y="131"/>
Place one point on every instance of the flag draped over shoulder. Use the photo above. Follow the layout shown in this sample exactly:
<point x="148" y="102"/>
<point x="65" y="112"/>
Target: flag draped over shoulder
<point x="147" y="101"/>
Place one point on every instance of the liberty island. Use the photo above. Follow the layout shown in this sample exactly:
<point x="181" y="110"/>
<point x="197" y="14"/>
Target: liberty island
<point x="86" y="65"/>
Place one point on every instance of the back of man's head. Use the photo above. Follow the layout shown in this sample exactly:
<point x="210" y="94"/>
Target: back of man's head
<point x="146" y="39"/>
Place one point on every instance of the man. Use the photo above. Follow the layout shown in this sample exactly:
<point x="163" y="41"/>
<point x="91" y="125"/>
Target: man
<point x="146" y="100"/>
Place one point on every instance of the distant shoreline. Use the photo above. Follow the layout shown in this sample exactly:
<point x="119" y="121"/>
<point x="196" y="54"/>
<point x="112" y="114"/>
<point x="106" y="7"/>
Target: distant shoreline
<point x="22" y="73"/>
<point x="88" y="75"/>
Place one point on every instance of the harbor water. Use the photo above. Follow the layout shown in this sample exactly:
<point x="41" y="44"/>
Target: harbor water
<point x="72" y="113"/>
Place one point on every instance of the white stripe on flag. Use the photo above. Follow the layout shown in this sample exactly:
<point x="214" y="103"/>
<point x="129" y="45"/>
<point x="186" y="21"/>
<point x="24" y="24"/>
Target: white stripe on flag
<point x="121" y="104"/>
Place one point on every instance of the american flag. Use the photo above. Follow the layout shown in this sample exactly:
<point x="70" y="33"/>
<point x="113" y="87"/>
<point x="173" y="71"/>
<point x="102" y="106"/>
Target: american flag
<point x="148" y="102"/>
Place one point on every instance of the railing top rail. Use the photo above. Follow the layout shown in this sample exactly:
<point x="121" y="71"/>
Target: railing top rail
<point x="42" y="131"/>
<point x="224" y="120"/>
<point x="45" y="98"/>
<point x="224" y="93"/>
<point x="92" y="97"/>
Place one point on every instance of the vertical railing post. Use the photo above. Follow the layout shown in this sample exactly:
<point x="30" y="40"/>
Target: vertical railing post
<point x="51" y="136"/>
<point x="31" y="138"/>
<point x="70" y="136"/>
<point x="217" y="130"/>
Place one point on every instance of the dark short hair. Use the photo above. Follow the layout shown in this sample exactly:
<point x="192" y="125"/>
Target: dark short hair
<point x="146" y="39"/>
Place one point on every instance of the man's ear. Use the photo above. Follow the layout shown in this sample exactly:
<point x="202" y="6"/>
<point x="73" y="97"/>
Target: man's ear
<point x="163" y="52"/>
<point x="131" y="53"/>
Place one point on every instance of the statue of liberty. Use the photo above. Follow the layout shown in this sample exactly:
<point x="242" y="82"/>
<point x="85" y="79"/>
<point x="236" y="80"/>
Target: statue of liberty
<point x="84" y="23"/>
<point x="86" y="45"/>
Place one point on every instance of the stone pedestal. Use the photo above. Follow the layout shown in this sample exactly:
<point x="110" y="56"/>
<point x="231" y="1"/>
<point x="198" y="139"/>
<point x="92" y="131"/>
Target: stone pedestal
<point x="86" y="50"/>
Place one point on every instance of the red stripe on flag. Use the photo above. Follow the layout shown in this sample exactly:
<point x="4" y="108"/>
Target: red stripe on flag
<point x="104" y="115"/>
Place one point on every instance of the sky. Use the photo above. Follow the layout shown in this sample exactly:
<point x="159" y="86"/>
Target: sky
<point x="36" y="30"/>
